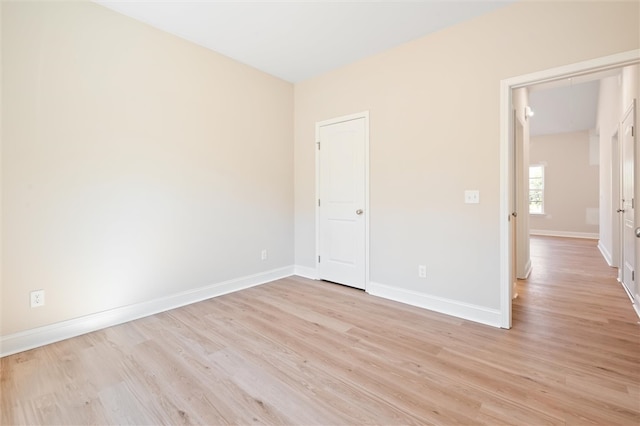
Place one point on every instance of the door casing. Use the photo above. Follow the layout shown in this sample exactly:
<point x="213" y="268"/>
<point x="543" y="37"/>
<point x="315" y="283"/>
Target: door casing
<point x="360" y="115"/>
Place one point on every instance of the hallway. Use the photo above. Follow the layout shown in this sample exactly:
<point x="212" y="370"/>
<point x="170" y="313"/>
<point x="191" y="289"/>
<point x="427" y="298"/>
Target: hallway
<point x="579" y="320"/>
<point x="571" y="283"/>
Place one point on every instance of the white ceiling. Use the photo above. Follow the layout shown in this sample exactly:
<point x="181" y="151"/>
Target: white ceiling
<point x="569" y="108"/>
<point x="568" y="104"/>
<point x="296" y="40"/>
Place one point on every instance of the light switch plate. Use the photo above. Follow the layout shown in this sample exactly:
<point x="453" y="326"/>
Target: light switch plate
<point x="472" y="196"/>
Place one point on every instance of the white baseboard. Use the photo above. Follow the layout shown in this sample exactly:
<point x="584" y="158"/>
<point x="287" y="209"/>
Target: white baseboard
<point x="635" y="301"/>
<point x="306" y="272"/>
<point x="566" y="234"/>
<point x="626" y="290"/>
<point x="605" y="253"/>
<point x="455" y="308"/>
<point x="40" y="336"/>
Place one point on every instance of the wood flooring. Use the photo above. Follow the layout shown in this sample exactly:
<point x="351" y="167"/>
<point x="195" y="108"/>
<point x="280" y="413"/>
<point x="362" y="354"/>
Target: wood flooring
<point x="301" y="352"/>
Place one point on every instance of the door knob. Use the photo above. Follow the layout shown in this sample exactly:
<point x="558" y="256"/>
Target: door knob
<point x="620" y="211"/>
<point x="359" y="212"/>
<point x="638" y="232"/>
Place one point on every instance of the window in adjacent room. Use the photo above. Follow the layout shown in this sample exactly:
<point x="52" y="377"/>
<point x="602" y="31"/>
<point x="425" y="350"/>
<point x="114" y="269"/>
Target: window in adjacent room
<point x="536" y="189"/>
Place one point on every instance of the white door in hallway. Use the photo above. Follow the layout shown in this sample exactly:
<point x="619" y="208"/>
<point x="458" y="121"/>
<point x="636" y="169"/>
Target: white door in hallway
<point x="342" y="201"/>
<point x="628" y="203"/>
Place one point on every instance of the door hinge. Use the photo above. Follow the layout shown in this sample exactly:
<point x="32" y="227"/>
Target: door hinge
<point x="318" y="259"/>
<point x="318" y="143"/>
<point x="318" y="202"/>
<point x="633" y="129"/>
<point x="633" y="203"/>
<point x="633" y="275"/>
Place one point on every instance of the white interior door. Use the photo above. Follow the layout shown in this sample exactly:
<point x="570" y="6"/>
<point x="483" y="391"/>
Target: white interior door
<point x="342" y="202"/>
<point x="513" y="218"/>
<point x="616" y="198"/>
<point x="628" y="202"/>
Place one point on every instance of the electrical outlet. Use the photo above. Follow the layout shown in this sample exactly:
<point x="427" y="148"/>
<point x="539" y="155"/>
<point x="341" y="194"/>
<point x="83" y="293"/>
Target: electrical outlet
<point x="37" y="298"/>
<point x="422" y="271"/>
<point x="264" y="254"/>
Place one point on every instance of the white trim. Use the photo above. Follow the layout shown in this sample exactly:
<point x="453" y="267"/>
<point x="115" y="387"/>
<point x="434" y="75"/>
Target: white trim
<point x="564" y="234"/>
<point x="576" y="69"/>
<point x="636" y="307"/>
<point x="505" y="213"/>
<point x="365" y="115"/>
<point x="442" y="305"/>
<point x="506" y="86"/>
<point x="305" y="272"/>
<point x="626" y="290"/>
<point x="40" y="336"/>
<point x="527" y="270"/>
<point x="606" y="254"/>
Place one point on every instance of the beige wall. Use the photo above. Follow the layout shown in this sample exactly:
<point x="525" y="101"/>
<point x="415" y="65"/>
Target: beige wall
<point x="571" y="184"/>
<point x="135" y="165"/>
<point x="434" y="114"/>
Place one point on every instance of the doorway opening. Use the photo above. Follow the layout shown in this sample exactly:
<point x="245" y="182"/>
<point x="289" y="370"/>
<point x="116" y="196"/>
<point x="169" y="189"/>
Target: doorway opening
<point x="508" y="248"/>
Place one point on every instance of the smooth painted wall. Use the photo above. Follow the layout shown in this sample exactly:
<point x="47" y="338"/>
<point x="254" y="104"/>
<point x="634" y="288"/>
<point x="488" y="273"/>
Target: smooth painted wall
<point x="571" y="192"/>
<point x="135" y="165"/>
<point x="434" y="132"/>
<point x="609" y="115"/>
<point x="616" y="96"/>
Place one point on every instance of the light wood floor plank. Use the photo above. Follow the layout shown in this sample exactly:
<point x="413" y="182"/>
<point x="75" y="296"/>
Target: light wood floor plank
<point x="297" y="351"/>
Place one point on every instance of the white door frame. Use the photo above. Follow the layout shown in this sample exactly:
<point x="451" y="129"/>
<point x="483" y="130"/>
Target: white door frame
<point x="367" y="210"/>
<point x="506" y="86"/>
